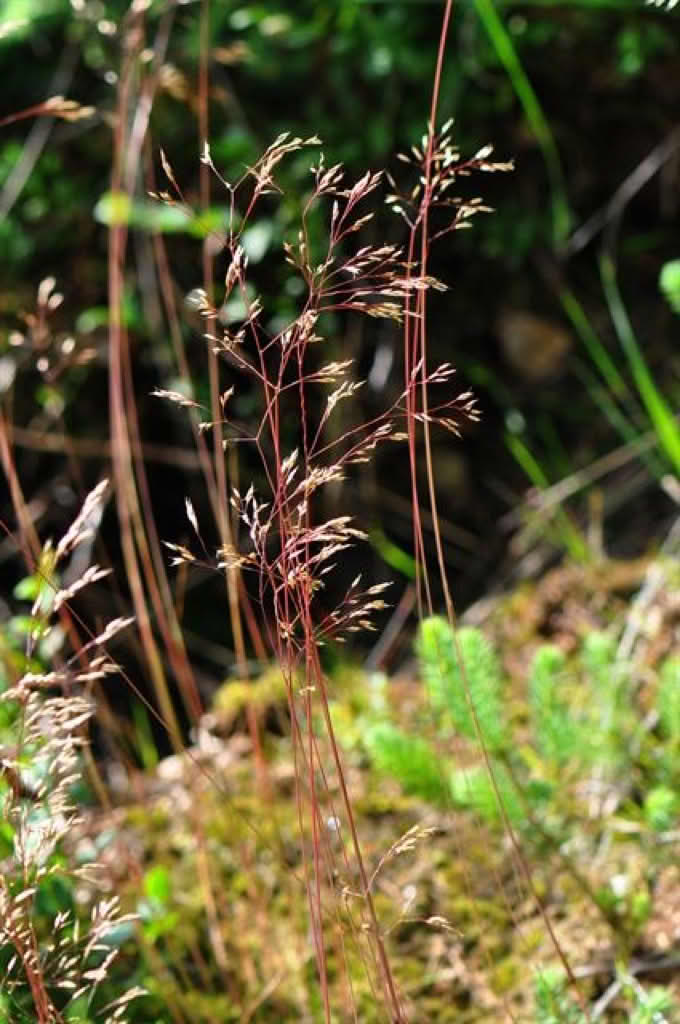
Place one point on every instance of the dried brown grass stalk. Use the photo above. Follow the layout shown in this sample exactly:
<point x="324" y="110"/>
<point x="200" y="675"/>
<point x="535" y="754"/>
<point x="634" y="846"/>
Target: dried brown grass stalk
<point x="145" y="570"/>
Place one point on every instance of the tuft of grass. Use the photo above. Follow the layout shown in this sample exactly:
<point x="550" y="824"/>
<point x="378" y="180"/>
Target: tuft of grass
<point x="53" y="964"/>
<point x="278" y="537"/>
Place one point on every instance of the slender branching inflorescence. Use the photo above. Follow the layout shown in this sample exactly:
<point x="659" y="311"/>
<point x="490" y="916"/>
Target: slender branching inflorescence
<point x="437" y="165"/>
<point x="431" y="211"/>
<point x="293" y="554"/>
<point x="281" y="540"/>
<point x="50" y="352"/>
<point x="446" y="166"/>
<point x="55" y="106"/>
<point x="52" y="711"/>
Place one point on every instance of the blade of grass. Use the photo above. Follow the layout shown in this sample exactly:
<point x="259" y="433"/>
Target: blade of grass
<point x="631" y="433"/>
<point x="122" y="458"/>
<point x="540" y="126"/>
<point x="393" y="555"/>
<point x="569" y="535"/>
<point x="144" y="741"/>
<point x="659" y="412"/>
<point x="596" y="350"/>
<point x="419" y="347"/>
<point x="220" y="468"/>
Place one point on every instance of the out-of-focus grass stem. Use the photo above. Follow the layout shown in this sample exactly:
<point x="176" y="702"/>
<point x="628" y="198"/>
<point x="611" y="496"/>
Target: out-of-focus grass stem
<point x="568" y="534"/>
<point x="657" y="408"/>
<point x="507" y="54"/>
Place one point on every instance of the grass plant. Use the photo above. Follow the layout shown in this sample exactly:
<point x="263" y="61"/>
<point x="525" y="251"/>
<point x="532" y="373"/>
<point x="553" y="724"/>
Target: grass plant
<point x="282" y="558"/>
<point x="289" y="551"/>
<point x="506" y="52"/>
<point x="631" y="404"/>
<point x="53" y="964"/>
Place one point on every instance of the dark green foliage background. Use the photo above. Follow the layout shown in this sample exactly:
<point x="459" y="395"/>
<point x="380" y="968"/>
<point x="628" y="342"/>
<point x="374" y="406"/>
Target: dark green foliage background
<point x="359" y="74"/>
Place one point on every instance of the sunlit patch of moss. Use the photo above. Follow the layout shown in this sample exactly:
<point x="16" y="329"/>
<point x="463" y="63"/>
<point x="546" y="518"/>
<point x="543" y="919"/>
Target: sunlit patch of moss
<point x="253" y="854"/>
<point x="505" y="975"/>
<point x="234" y="696"/>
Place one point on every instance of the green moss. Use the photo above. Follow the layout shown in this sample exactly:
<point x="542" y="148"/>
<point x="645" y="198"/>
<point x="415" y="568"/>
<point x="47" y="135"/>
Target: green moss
<point x="505" y="975"/>
<point x="234" y="695"/>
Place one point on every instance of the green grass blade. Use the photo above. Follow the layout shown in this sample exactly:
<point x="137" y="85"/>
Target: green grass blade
<point x="509" y="58"/>
<point x="659" y="412"/>
<point x="568" y="534"/>
<point x="596" y="350"/>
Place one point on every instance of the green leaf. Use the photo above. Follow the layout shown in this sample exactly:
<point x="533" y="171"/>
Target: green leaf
<point x="669" y="284"/>
<point x="26" y="625"/>
<point x="257" y="239"/>
<point x="508" y="56"/>
<point x="113" y="208"/>
<point x="660" y="412"/>
<point x="653" y="1005"/>
<point x="157" y="885"/>
<point x="551" y="1003"/>
<point x="668" y="699"/>
<point x="27" y="589"/>
<point x="661" y="808"/>
<point x="599" y="656"/>
<point x="392" y="555"/>
<point x="116" y="208"/>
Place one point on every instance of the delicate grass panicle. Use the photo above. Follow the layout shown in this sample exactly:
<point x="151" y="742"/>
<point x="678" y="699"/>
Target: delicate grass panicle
<point x="51" y="710"/>
<point x="281" y="542"/>
<point x="274" y="532"/>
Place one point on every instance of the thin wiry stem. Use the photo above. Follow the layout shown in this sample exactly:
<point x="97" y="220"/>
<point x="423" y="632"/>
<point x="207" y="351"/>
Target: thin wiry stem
<point x="126" y="497"/>
<point x="280" y="538"/>
<point x="224" y="519"/>
<point x="422" y="227"/>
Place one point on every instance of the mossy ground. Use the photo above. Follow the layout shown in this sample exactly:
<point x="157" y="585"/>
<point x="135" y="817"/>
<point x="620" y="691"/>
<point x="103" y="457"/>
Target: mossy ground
<point x="212" y="862"/>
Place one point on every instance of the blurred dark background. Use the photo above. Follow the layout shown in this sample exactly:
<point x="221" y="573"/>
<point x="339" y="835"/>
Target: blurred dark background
<point x="544" y="295"/>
